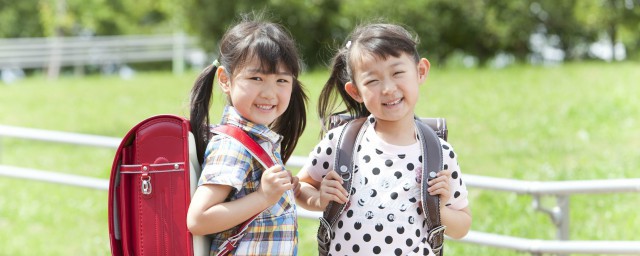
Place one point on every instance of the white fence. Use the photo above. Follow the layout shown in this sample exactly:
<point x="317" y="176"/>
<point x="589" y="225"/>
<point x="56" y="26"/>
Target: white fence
<point x="52" y="53"/>
<point x="562" y="190"/>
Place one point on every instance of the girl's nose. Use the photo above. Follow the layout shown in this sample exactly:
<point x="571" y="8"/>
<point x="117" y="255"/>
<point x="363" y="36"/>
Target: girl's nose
<point x="389" y="86"/>
<point x="269" y="90"/>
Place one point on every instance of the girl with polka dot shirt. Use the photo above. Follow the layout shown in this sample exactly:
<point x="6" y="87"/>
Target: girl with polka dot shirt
<point x="377" y="75"/>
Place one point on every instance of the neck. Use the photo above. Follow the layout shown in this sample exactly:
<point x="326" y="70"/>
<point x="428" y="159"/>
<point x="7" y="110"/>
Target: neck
<point x="401" y="132"/>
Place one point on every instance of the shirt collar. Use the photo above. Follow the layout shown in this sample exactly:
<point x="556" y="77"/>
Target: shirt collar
<point x="232" y="117"/>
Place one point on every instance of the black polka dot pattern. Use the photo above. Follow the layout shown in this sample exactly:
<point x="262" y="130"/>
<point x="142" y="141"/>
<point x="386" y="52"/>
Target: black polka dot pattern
<point x="384" y="216"/>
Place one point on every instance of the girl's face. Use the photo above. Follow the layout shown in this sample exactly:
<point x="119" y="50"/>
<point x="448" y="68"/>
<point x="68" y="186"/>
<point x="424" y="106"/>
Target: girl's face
<point x="259" y="97"/>
<point x="388" y="88"/>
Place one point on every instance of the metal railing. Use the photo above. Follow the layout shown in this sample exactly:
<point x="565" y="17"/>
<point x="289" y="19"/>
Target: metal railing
<point x="562" y="190"/>
<point x="56" y="52"/>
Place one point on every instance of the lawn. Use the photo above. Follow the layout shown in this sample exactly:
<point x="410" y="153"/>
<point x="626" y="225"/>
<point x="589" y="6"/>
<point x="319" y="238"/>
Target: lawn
<point x="570" y="122"/>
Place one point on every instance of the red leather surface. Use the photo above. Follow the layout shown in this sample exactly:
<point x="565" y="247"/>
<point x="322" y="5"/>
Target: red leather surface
<point x="153" y="223"/>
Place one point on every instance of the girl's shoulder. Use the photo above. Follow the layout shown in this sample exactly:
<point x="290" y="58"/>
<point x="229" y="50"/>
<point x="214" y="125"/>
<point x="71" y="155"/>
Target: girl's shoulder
<point x="222" y="145"/>
<point x="335" y="132"/>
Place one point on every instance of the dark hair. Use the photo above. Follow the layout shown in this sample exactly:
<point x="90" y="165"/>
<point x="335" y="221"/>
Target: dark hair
<point x="380" y="40"/>
<point x="273" y="45"/>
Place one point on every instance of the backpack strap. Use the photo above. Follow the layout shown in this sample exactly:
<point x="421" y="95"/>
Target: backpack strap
<point x="240" y="136"/>
<point x="429" y="129"/>
<point x="343" y="163"/>
<point x="432" y="149"/>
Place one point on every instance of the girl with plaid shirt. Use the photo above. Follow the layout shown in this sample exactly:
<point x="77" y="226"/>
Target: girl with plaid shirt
<point x="258" y="72"/>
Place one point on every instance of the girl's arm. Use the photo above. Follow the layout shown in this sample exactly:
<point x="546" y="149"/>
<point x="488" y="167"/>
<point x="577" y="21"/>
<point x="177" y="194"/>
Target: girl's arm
<point x="458" y="222"/>
<point x="315" y="196"/>
<point x="208" y="213"/>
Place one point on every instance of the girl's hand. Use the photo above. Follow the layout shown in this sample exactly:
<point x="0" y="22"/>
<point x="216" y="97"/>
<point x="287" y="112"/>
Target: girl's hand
<point x="331" y="190"/>
<point x="295" y="182"/>
<point x="274" y="182"/>
<point x="440" y="186"/>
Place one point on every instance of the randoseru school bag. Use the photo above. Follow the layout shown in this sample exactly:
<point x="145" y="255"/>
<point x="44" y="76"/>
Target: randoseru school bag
<point x="154" y="173"/>
<point x="429" y="129"/>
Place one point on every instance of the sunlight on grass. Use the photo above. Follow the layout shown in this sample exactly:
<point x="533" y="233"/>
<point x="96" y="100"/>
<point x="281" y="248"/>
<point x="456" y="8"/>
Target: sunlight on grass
<point x="571" y="122"/>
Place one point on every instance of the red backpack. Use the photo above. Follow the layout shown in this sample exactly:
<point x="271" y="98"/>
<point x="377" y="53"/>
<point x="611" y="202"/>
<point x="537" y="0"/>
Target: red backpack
<point x="154" y="173"/>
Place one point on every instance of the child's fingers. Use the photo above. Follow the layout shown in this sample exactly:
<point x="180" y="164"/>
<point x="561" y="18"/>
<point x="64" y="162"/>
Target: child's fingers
<point x="274" y="169"/>
<point x="442" y="173"/>
<point x="333" y="185"/>
<point x="438" y="188"/>
<point x="333" y="194"/>
<point x="291" y="176"/>
<point x="333" y="175"/>
<point x="296" y="186"/>
<point x="442" y="176"/>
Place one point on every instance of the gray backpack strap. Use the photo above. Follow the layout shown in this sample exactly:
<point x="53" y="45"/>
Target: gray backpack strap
<point x="343" y="165"/>
<point x="432" y="149"/>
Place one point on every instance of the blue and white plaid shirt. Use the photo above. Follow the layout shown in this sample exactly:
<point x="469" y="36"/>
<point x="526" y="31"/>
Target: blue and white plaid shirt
<point x="274" y="232"/>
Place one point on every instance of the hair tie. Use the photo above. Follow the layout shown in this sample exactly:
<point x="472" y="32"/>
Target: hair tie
<point x="216" y="63"/>
<point x="348" y="44"/>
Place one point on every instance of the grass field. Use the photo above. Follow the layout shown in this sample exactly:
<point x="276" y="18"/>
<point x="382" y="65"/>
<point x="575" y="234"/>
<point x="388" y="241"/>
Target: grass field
<point x="571" y="122"/>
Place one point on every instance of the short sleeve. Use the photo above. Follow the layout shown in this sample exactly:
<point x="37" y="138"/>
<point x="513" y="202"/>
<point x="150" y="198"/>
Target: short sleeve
<point x="458" y="199"/>
<point x="226" y="163"/>
<point x="321" y="158"/>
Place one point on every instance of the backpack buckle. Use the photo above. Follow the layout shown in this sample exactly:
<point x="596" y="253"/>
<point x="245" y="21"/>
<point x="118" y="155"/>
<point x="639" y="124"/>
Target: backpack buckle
<point x="146" y="185"/>
<point x="436" y="235"/>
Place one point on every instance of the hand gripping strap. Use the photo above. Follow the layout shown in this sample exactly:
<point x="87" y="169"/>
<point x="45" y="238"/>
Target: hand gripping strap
<point x="432" y="164"/>
<point x="240" y="136"/>
<point x="344" y="167"/>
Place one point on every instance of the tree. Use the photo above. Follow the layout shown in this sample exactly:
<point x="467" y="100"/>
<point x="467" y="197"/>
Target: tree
<point x="19" y="19"/>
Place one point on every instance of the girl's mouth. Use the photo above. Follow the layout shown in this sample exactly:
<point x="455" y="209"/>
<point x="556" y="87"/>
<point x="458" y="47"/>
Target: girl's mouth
<point x="265" y="107"/>
<point x="395" y="102"/>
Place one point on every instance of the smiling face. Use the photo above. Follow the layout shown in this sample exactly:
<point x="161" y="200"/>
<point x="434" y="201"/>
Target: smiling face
<point x="257" y="95"/>
<point x="388" y="87"/>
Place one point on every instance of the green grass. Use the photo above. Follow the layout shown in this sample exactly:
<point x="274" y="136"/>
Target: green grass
<point x="571" y="122"/>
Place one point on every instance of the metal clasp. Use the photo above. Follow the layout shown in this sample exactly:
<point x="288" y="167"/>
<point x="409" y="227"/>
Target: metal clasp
<point x="146" y="184"/>
<point x="344" y="173"/>
<point x="432" y="235"/>
<point x="327" y="227"/>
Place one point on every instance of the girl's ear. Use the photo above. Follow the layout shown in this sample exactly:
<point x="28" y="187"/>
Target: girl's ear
<point x="223" y="80"/>
<point x="423" y="69"/>
<point x="352" y="90"/>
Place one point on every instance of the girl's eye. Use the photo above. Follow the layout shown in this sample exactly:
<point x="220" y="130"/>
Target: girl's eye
<point x="370" y="82"/>
<point x="398" y="73"/>
<point x="283" y="81"/>
<point x="256" y="78"/>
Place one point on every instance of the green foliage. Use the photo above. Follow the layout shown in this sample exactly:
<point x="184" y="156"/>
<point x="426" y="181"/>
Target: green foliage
<point x="314" y="24"/>
<point x="482" y="29"/>
<point x="19" y="19"/>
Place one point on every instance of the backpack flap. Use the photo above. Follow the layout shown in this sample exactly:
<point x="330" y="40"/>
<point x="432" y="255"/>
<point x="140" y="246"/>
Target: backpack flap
<point x="149" y="190"/>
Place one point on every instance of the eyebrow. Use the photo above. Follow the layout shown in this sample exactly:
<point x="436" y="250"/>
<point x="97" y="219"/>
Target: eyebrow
<point x="394" y="64"/>
<point x="261" y="71"/>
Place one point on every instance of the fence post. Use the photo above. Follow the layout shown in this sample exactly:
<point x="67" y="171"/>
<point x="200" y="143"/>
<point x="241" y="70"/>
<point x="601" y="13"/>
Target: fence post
<point x="179" y="44"/>
<point x="563" y="226"/>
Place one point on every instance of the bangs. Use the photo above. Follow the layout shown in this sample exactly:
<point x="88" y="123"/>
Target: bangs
<point x="271" y="54"/>
<point x="380" y="41"/>
<point x="382" y="47"/>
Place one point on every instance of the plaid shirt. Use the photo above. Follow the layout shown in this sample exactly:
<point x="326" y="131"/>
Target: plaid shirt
<point x="274" y="232"/>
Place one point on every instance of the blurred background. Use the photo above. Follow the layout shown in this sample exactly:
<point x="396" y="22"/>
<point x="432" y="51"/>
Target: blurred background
<point x="537" y="94"/>
<point x="470" y="33"/>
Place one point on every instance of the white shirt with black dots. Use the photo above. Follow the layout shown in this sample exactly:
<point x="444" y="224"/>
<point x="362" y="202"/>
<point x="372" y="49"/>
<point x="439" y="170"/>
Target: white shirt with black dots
<point x="384" y="216"/>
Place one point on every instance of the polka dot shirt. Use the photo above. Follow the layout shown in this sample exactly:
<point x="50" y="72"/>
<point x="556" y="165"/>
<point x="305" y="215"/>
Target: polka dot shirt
<point x="384" y="216"/>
